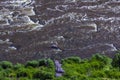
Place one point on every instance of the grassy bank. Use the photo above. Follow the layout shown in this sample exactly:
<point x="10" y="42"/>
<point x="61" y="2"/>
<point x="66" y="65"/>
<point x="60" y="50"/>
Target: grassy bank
<point x="98" y="67"/>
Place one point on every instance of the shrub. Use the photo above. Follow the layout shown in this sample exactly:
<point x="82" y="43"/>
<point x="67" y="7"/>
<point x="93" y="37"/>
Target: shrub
<point x="13" y="74"/>
<point x="50" y="63"/>
<point x="18" y="66"/>
<point x="6" y="64"/>
<point x="42" y="62"/>
<point x="113" y="74"/>
<point x="97" y="65"/>
<point x="22" y="72"/>
<point x="43" y="75"/>
<point x="23" y="78"/>
<point x="1" y="68"/>
<point x="102" y="58"/>
<point x="98" y="74"/>
<point x="72" y="59"/>
<point x="79" y="77"/>
<point x="2" y="75"/>
<point x="116" y="60"/>
<point x="46" y="62"/>
<point x="7" y="72"/>
<point x="60" y="78"/>
<point x="33" y="63"/>
<point x="5" y="78"/>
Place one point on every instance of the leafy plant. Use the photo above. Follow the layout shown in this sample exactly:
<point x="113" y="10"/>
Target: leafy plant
<point x="116" y="60"/>
<point x="43" y="75"/>
<point x="6" y="64"/>
<point x="33" y="63"/>
<point x="72" y="60"/>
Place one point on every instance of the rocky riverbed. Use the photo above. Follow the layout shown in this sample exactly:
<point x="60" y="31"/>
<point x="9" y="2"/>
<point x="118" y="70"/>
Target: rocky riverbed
<point x="30" y="28"/>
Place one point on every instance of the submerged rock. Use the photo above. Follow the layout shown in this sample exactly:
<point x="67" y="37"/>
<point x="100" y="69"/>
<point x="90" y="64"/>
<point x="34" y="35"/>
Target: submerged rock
<point x="88" y="27"/>
<point x="5" y="41"/>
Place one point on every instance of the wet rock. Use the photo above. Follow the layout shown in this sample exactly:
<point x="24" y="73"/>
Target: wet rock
<point x="59" y="70"/>
<point x="27" y="11"/>
<point x="18" y="15"/>
<point x="88" y="27"/>
<point x="12" y="48"/>
<point x="4" y="22"/>
<point x="54" y="46"/>
<point x="5" y="41"/>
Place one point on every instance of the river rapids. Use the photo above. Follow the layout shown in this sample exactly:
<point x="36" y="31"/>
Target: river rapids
<point x="34" y="29"/>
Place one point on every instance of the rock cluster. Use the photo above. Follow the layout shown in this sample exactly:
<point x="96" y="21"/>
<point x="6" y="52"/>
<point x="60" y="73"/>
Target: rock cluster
<point x="16" y="13"/>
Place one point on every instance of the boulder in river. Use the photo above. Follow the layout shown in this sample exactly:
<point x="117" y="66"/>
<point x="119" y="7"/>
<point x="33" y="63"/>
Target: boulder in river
<point x="59" y="70"/>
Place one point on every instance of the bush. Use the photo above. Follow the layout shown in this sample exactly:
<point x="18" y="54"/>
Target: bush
<point x="22" y="72"/>
<point x="80" y="77"/>
<point x="8" y="72"/>
<point x="43" y="75"/>
<point x="23" y="78"/>
<point x="2" y="75"/>
<point x="50" y="63"/>
<point x="6" y="64"/>
<point x="18" y="66"/>
<point x="116" y="60"/>
<point x="60" y="78"/>
<point x="33" y="63"/>
<point x="102" y="58"/>
<point x="1" y="68"/>
<point x="97" y="74"/>
<point x="5" y="78"/>
<point x="42" y="62"/>
<point x="72" y="60"/>
<point x="97" y="65"/>
<point x="46" y="62"/>
<point x="113" y="74"/>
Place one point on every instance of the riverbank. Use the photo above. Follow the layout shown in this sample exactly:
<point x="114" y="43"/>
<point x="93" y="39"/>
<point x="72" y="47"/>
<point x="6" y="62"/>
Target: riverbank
<point x="98" y="67"/>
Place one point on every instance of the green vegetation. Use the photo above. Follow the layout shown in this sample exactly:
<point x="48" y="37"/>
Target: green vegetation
<point x="98" y="67"/>
<point x="116" y="60"/>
